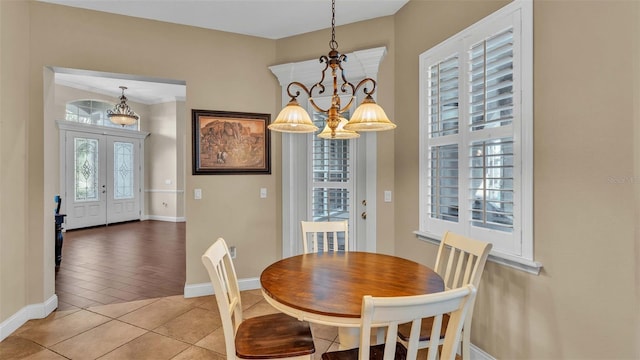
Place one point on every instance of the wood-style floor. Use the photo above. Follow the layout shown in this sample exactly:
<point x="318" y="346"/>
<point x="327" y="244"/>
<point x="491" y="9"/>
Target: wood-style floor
<point x="120" y="263"/>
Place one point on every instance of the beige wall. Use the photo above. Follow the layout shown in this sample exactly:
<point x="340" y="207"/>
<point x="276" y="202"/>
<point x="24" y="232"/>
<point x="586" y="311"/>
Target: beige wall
<point x="584" y="304"/>
<point x="14" y="115"/>
<point x="164" y="161"/>
<point x="223" y="72"/>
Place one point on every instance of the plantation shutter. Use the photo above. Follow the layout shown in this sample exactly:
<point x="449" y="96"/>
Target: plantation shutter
<point x="491" y="149"/>
<point x="443" y="131"/>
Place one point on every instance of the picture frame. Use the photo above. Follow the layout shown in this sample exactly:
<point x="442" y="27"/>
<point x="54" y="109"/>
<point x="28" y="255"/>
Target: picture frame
<point x="228" y="143"/>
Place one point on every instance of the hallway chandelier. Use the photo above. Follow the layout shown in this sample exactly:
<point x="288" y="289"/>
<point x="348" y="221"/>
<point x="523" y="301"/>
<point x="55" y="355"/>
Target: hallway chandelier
<point x="122" y="113"/>
<point x="369" y="116"/>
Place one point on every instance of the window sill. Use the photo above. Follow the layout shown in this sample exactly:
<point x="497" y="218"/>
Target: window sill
<point x="529" y="266"/>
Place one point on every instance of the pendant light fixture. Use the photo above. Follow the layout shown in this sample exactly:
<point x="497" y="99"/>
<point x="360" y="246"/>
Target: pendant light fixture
<point x="122" y="113"/>
<point x="369" y="116"/>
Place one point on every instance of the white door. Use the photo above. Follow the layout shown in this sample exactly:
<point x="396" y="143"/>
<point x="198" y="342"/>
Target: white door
<point x="102" y="183"/>
<point x="123" y="182"/>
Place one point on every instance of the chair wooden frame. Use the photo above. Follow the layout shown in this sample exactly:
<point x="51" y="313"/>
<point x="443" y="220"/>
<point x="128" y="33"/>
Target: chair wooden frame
<point x="460" y="262"/>
<point x="264" y="337"/>
<point x="327" y="229"/>
<point x="391" y="312"/>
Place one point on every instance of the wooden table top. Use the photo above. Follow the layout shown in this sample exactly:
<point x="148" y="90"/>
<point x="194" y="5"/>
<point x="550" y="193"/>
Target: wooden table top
<point x="332" y="284"/>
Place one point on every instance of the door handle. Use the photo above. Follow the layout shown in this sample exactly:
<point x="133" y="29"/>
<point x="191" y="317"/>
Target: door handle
<point x="364" y="215"/>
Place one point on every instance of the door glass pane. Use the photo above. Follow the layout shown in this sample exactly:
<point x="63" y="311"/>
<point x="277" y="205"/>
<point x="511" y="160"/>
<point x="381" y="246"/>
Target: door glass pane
<point x="86" y="169"/>
<point x="123" y="175"/>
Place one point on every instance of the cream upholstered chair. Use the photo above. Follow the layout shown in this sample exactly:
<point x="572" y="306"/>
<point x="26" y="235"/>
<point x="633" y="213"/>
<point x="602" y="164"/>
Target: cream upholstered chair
<point x="390" y="312"/>
<point x="460" y="261"/>
<point x="263" y="337"/>
<point x="326" y="233"/>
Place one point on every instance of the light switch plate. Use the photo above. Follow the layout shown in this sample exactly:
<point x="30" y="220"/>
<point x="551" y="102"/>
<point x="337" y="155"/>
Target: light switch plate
<point x="197" y="194"/>
<point x="263" y="193"/>
<point x="387" y="196"/>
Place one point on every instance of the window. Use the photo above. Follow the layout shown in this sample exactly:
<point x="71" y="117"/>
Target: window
<point x="93" y="112"/>
<point x="476" y="126"/>
<point x="331" y="177"/>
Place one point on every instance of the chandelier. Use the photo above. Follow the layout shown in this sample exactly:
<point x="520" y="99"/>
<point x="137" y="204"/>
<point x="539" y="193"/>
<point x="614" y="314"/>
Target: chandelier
<point x="122" y="113"/>
<point x="369" y="116"/>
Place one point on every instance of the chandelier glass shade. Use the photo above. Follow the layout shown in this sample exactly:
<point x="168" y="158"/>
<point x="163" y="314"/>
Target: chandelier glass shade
<point x="339" y="133"/>
<point x="294" y="119"/>
<point x="369" y="116"/>
<point x="122" y="113"/>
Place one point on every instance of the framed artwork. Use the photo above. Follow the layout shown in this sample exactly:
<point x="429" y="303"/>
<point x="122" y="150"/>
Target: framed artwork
<point x="227" y="142"/>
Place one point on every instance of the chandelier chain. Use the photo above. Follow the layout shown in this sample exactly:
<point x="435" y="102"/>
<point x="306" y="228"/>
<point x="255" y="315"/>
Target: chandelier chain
<point x="333" y="44"/>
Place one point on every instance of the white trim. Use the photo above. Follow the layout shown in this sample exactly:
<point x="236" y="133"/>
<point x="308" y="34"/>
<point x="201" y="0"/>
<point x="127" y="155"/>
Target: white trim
<point x="531" y="267"/>
<point x="169" y="191"/>
<point x="29" y="312"/>
<point x="166" y="218"/>
<point x="479" y="354"/>
<point x="102" y="130"/>
<point x="204" y="289"/>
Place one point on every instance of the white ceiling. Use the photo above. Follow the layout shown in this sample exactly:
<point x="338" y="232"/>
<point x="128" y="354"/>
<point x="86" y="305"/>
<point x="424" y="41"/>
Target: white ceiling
<point x="272" y="19"/>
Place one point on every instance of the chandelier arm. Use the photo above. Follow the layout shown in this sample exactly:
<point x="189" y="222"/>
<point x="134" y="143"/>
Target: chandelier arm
<point x="364" y="81"/>
<point x="323" y="59"/>
<point x="315" y="106"/>
<point x="301" y="86"/>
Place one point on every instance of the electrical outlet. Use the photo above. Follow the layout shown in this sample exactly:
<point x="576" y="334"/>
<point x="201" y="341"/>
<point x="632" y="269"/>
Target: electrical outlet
<point x="263" y="193"/>
<point x="232" y="251"/>
<point x="387" y="196"/>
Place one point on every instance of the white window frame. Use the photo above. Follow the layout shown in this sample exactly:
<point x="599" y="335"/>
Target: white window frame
<point x="512" y="249"/>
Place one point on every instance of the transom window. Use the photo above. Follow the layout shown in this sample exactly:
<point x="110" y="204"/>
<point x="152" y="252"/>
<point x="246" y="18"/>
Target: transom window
<point x="93" y="112"/>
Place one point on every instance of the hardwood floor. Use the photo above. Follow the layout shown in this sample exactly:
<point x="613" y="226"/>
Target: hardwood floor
<point x="120" y="263"/>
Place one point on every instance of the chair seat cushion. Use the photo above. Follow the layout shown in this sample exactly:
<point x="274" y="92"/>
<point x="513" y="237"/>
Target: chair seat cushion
<point x="273" y="336"/>
<point x="425" y="330"/>
<point x="375" y="352"/>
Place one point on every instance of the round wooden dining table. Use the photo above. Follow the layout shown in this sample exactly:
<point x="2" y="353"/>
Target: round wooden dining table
<point x="327" y="288"/>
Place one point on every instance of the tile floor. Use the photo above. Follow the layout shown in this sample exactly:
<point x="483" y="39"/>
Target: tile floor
<point x="121" y="262"/>
<point x="162" y="328"/>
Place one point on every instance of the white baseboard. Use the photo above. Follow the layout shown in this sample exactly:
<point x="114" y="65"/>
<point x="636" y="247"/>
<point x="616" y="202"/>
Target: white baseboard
<point x="204" y="289"/>
<point x="165" y="218"/>
<point x="479" y="354"/>
<point x="32" y="311"/>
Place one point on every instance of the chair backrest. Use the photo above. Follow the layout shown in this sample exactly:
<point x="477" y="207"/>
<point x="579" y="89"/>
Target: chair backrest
<point x="327" y="232"/>
<point x="390" y="312"/>
<point x="219" y="265"/>
<point x="460" y="260"/>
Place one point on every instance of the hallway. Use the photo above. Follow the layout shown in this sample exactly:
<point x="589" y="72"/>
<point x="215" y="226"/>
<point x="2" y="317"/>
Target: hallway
<point x="120" y="263"/>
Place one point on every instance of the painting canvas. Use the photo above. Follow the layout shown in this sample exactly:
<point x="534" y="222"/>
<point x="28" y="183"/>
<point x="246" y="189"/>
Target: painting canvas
<point x="230" y="142"/>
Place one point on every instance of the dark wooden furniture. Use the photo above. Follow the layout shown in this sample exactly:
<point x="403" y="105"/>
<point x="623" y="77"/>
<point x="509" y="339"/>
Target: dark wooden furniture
<point x="274" y="336"/>
<point x="327" y="288"/>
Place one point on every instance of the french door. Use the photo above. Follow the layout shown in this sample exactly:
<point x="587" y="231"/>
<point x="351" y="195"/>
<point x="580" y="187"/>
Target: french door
<point x="101" y="179"/>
